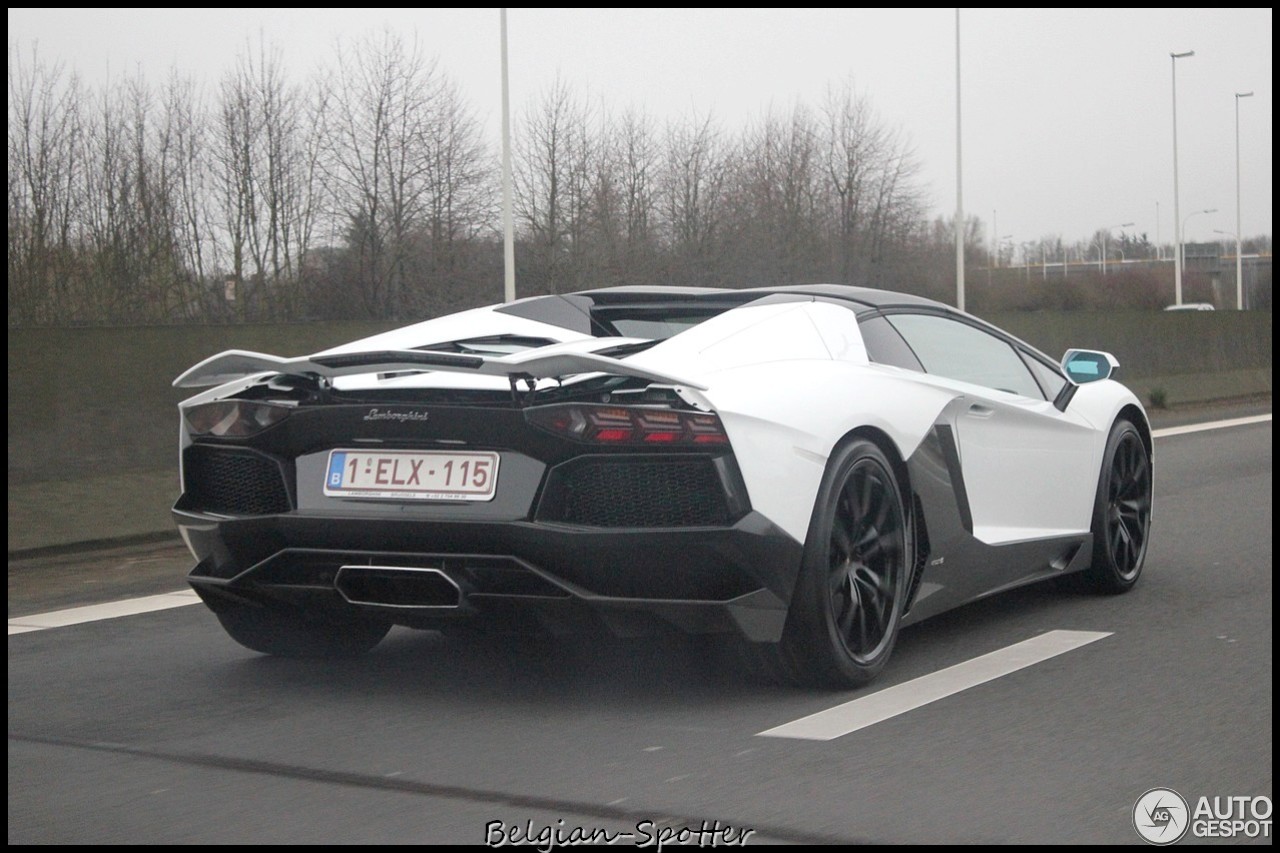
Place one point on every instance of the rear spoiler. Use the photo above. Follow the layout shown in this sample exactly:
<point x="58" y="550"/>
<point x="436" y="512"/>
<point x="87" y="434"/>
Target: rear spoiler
<point x="238" y="364"/>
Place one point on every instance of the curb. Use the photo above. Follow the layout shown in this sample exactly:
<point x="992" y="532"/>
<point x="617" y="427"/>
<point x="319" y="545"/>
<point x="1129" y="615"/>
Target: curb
<point x="168" y="536"/>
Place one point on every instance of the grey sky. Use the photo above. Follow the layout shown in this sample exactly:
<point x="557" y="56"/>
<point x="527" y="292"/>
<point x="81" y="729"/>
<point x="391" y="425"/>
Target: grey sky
<point x="1067" y="114"/>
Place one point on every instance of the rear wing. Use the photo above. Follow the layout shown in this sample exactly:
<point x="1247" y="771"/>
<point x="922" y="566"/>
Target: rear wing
<point x="536" y="364"/>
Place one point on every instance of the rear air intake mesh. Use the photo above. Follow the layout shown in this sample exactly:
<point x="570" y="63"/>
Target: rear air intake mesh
<point x="234" y="481"/>
<point x="661" y="492"/>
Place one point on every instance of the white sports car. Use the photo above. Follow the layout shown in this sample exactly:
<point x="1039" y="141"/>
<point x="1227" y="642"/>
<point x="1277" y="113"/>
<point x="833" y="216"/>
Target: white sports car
<point x="809" y="468"/>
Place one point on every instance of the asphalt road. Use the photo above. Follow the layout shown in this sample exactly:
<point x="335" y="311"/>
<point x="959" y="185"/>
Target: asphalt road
<point x="157" y="728"/>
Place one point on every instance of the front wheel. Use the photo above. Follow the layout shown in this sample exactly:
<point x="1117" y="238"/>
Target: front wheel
<point x="844" y="617"/>
<point x="284" y="634"/>
<point x="1121" y="512"/>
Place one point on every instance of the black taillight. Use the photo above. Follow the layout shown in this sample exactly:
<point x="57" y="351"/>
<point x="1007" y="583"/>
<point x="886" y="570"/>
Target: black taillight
<point x="234" y="418"/>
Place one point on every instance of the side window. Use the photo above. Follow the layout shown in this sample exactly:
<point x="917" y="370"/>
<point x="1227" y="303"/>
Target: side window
<point x="885" y="346"/>
<point x="1049" y="378"/>
<point x="957" y="350"/>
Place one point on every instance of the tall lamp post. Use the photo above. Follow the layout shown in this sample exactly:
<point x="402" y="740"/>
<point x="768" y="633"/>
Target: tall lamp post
<point x="1182" y="235"/>
<point x="1239" y="231"/>
<point x="1105" y="233"/>
<point x="508" y="236"/>
<point x="1177" y="253"/>
<point x="959" y="184"/>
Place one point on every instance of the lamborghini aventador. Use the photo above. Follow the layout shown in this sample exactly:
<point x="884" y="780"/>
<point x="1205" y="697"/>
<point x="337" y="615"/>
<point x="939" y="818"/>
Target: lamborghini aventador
<point x="806" y="469"/>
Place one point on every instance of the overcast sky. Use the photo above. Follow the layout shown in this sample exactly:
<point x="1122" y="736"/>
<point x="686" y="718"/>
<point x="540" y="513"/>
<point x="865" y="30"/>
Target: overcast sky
<point x="1067" y="114"/>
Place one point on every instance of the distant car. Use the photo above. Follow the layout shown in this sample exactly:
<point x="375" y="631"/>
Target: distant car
<point x="1190" y="306"/>
<point x="808" y="468"/>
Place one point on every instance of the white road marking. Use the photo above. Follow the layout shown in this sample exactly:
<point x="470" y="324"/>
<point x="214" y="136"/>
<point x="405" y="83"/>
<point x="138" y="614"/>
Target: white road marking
<point x="97" y="612"/>
<point x="1180" y="430"/>
<point x="892" y="701"/>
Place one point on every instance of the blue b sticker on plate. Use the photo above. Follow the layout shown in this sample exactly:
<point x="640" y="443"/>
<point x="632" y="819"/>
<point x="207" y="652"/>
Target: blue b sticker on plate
<point x="336" y="461"/>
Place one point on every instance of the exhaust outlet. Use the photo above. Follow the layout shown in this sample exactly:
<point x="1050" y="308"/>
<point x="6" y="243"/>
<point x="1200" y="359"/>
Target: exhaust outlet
<point x="398" y="586"/>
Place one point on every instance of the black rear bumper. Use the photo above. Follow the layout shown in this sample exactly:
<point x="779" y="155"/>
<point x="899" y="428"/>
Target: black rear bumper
<point x="508" y="575"/>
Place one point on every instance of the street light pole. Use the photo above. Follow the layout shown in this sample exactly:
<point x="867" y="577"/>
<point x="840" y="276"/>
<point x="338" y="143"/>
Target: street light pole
<point x="959" y="184"/>
<point x="1106" y="232"/>
<point x="508" y="235"/>
<point x="1239" y="231"/>
<point x="1177" y="254"/>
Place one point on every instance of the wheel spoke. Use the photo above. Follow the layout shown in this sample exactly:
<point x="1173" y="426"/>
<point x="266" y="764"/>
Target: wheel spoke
<point x="1133" y="531"/>
<point x="1135" y="509"/>
<point x="841" y="540"/>
<point x="846" y="619"/>
<point x="868" y="544"/>
<point x="844" y="598"/>
<point x="874" y="594"/>
<point x="1138" y="507"/>
<point x="839" y="580"/>
<point x="889" y="544"/>
<point x="1125" y="546"/>
<point x="1139" y="474"/>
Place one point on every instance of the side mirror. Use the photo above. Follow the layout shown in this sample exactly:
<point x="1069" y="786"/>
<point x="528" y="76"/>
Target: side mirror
<point x="1087" y="365"/>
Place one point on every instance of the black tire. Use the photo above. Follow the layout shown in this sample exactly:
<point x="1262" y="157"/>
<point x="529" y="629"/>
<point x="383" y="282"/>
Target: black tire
<point x="844" y="617"/>
<point x="275" y="632"/>
<point x="1121" y="513"/>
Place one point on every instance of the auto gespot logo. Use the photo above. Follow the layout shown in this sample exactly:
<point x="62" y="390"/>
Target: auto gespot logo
<point x="1163" y="816"/>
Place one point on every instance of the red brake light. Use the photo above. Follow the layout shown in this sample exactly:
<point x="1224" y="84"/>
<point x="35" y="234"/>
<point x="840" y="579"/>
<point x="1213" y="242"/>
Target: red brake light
<point x="630" y="425"/>
<point x="706" y="429"/>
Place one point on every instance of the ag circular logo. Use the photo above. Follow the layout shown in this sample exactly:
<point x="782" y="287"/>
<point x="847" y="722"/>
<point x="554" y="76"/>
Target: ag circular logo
<point x="1161" y="816"/>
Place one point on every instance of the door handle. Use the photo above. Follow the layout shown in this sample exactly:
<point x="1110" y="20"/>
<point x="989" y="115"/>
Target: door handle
<point x="977" y="410"/>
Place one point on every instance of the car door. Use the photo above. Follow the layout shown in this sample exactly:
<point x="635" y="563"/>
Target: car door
<point x="1028" y="468"/>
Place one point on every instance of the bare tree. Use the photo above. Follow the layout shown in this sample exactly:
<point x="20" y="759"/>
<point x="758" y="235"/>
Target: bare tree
<point x="871" y="183"/>
<point x="124" y="242"/>
<point x="359" y="161"/>
<point x="626" y="200"/>
<point x="381" y="110"/>
<point x="692" y="192"/>
<point x="410" y="186"/>
<point x="459" y="197"/>
<point x="45" y="129"/>
<point x="186" y="146"/>
<point x="266" y="174"/>
<point x="777" y="217"/>
<point x="555" y="156"/>
<point x="371" y="192"/>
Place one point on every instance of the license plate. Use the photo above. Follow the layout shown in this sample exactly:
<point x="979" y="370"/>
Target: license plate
<point x="412" y="475"/>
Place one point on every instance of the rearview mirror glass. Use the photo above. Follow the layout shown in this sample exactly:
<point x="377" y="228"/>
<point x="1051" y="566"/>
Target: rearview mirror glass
<point x="1084" y="365"/>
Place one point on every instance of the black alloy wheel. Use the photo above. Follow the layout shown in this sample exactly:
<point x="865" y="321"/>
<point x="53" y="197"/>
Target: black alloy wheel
<point x="1122" y="512"/>
<point x="844" y="616"/>
<point x="866" y="560"/>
